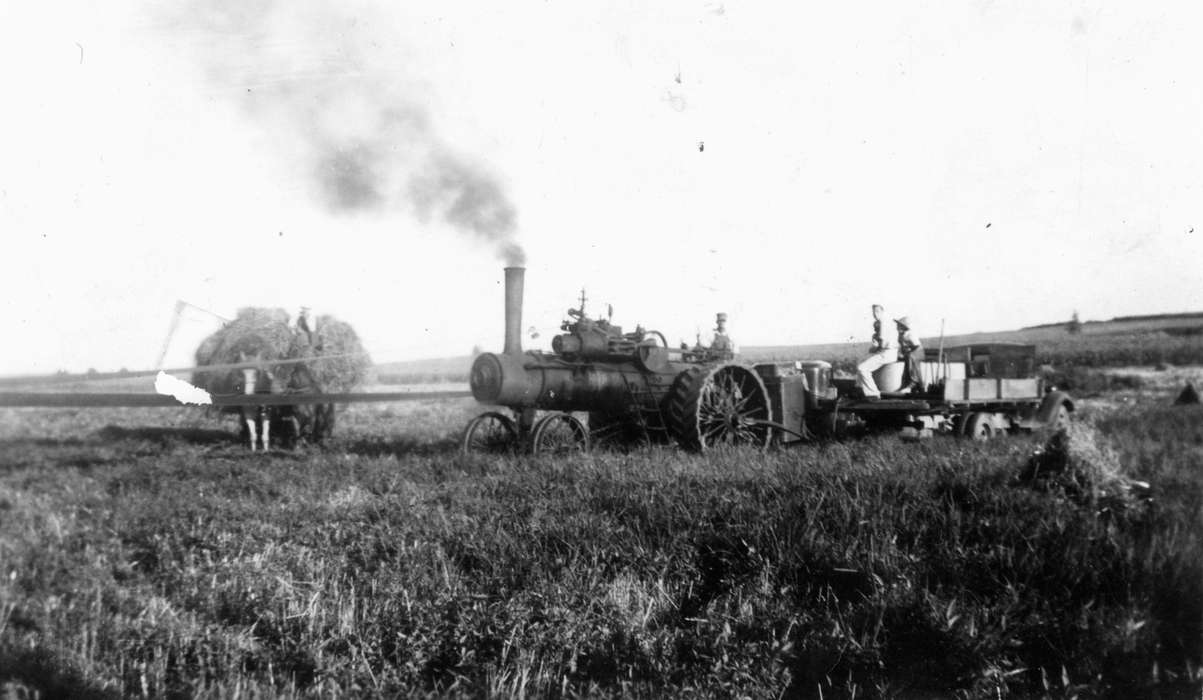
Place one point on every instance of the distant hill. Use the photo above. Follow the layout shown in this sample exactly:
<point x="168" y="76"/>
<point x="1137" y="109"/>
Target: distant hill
<point x="1173" y="338"/>
<point x="1151" y="321"/>
<point x="1134" y="340"/>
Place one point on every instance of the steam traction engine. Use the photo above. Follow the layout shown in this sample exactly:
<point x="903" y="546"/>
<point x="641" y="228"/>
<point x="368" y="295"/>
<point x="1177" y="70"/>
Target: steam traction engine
<point x="631" y="385"/>
<point x="634" y="387"/>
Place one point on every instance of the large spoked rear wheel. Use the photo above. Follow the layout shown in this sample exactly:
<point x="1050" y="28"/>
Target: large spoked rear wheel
<point x="559" y="433"/>
<point x="720" y="405"/>
<point x="490" y="433"/>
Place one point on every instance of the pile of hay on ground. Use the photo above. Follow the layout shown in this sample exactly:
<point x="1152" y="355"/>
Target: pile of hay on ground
<point x="1078" y="461"/>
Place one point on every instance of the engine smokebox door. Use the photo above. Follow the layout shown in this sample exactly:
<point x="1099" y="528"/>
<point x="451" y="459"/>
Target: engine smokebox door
<point x="502" y="380"/>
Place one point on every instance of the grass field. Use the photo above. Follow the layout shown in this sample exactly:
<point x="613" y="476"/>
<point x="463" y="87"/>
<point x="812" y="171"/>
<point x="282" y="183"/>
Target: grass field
<point x="165" y="560"/>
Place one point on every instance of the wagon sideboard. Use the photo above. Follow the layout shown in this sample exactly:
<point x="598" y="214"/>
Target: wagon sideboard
<point x="983" y="372"/>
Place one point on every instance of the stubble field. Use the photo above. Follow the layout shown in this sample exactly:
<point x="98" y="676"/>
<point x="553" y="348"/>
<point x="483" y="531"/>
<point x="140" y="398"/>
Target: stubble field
<point x="144" y="552"/>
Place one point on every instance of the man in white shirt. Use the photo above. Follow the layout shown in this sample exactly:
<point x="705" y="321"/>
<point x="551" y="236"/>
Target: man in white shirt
<point x="882" y="351"/>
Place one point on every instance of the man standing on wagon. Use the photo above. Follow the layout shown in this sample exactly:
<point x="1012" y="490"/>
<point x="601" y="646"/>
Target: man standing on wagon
<point x="911" y="351"/>
<point x="882" y="351"/>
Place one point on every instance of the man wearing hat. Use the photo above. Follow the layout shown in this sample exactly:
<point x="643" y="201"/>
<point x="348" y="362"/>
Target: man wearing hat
<point x="910" y="350"/>
<point x="721" y="341"/>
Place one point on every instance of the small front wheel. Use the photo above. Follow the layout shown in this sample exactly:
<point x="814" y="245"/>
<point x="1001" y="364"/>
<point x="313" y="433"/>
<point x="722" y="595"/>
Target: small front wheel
<point x="559" y="433"/>
<point x="490" y="433"/>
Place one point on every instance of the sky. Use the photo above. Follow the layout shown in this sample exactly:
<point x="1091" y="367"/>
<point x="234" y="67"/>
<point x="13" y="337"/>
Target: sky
<point x="980" y="165"/>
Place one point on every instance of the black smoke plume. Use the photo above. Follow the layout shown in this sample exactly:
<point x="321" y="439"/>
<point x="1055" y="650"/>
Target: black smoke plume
<point x="470" y="201"/>
<point x="363" y="139"/>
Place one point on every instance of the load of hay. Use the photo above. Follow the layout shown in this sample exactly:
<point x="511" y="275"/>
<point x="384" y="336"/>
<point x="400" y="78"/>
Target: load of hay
<point x="335" y="361"/>
<point x="332" y="360"/>
<point x="255" y="334"/>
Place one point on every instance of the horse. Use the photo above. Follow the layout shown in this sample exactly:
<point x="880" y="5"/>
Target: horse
<point x="250" y="381"/>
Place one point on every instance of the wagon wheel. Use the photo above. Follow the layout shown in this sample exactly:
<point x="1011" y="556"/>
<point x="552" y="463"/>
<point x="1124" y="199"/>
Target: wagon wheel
<point x="559" y="433"/>
<point x="979" y="427"/>
<point x="490" y="433"/>
<point x="719" y="405"/>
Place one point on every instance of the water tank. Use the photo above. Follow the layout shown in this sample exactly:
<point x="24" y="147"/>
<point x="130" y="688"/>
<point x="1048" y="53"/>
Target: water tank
<point x="818" y="375"/>
<point x="889" y="376"/>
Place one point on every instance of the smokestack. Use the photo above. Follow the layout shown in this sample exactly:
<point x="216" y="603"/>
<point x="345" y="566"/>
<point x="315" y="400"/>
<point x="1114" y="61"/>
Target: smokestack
<point x="514" y="277"/>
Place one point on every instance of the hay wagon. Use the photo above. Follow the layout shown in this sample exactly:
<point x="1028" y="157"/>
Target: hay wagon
<point x="295" y="380"/>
